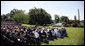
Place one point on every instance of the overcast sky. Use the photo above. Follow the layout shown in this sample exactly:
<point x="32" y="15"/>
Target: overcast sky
<point x="61" y="8"/>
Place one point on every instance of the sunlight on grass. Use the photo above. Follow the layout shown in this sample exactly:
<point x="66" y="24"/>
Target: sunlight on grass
<point x="27" y="25"/>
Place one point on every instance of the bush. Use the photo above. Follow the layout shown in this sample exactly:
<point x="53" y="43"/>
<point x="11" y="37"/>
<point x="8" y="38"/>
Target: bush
<point x="79" y="25"/>
<point x="66" y="25"/>
<point x="49" y="24"/>
<point x="74" y="25"/>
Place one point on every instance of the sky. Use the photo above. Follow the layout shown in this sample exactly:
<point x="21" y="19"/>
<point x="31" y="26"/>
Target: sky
<point x="60" y="8"/>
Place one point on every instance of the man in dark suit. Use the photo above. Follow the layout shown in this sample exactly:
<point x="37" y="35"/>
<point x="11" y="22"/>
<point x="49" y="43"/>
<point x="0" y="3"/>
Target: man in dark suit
<point x="64" y="32"/>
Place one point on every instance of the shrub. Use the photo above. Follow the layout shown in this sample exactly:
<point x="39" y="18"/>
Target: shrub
<point x="74" y="25"/>
<point x="68" y="25"/>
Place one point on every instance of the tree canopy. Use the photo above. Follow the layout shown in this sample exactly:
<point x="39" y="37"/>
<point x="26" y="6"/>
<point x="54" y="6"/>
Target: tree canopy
<point x="64" y="19"/>
<point x="19" y="16"/>
<point x="56" y="18"/>
<point x="39" y="16"/>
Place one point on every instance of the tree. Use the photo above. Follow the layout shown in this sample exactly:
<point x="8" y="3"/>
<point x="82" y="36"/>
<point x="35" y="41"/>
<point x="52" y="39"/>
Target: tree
<point x="2" y="18"/>
<point x="71" y="21"/>
<point x="39" y="16"/>
<point x="75" y="18"/>
<point x="64" y="19"/>
<point x="56" y="19"/>
<point x="14" y="11"/>
<point x="82" y="21"/>
<point x="20" y="17"/>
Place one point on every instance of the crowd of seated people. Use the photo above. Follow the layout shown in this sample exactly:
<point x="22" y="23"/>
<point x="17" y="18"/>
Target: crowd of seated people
<point x="23" y="35"/>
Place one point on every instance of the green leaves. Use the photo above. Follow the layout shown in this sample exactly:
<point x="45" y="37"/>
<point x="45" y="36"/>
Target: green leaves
<point x="20" y="17"/>
<point x="39" y="16"/>
<point x="57" y="19"/>
<point x="64" y="19"/>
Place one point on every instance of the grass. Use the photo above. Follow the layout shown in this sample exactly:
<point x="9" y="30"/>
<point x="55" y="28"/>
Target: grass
<point x="27" y="25"/>
<point x="76" y="37"/>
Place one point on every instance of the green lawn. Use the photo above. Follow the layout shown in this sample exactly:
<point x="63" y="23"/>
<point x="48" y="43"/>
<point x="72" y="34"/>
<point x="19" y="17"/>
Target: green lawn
<point x="27" y="25"/>
<point x="76" y="37"/>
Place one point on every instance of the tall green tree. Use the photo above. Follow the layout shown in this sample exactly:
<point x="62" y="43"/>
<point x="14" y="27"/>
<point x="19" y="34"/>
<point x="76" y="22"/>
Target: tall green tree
<point x="20" y="17"/>
<point x="39" y="16"/>
<point x="15" y="11"/>
<point x="64" y="19"/>
<point x="75" y="19"/>
<point x="56" y="18"/>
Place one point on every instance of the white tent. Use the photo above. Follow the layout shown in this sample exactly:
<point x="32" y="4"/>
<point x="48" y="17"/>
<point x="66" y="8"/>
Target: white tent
<point x="58" y="25"/>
